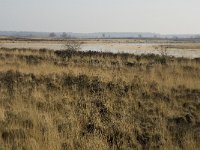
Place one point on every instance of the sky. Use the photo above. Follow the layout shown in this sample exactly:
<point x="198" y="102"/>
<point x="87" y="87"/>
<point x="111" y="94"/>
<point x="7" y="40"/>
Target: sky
<point x="156" y="16"/>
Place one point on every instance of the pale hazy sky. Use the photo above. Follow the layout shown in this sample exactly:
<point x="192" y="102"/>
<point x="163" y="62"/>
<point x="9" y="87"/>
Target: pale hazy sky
<point x="160" y="16"/>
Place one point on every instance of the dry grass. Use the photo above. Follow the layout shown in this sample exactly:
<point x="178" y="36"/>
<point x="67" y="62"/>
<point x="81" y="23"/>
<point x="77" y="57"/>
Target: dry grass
<point x="76" y="100"/>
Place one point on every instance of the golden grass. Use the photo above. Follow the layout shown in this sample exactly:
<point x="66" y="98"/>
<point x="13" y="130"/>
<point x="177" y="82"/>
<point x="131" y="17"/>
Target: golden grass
<point x="98" y="101"/>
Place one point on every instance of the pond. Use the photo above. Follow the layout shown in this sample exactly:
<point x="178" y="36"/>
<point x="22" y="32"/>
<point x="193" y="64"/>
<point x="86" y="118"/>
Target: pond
<point x="132" y="48"/>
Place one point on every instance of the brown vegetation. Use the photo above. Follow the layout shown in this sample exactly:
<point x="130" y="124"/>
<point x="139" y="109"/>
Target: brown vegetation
<point x="78" y="100"/>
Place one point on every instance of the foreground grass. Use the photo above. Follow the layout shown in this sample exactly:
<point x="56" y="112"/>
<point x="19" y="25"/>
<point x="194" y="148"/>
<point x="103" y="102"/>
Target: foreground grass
<point x="76" y="100"/>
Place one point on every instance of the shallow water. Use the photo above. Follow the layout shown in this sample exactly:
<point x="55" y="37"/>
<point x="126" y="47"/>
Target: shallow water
<point x="132" y="48"/>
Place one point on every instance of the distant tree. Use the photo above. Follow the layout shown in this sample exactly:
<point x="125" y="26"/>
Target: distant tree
<point x="103" y="35"/>
<point x="140" y="36"/>
<point x="64" y="35"/>
<point x="197" y="36"/>
<point x="175" y="37"/>
<point x="52" y="34"/>
<point x="29" y="35"/>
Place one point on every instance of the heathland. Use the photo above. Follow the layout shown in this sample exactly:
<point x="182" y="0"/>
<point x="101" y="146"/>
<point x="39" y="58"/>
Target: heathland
<point x="91" y="100"/>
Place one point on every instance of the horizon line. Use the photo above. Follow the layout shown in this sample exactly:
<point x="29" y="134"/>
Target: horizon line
<point x="141" y="32"/>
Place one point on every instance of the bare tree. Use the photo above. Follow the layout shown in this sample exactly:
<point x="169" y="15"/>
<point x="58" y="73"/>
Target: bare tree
<point x="163" y="50"/>
<point x="70" y="48"/>
<point x="163" y="53"/>
<point x="73" y="45"/>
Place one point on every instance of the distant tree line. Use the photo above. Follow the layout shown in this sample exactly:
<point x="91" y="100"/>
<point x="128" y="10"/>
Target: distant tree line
<point x="64" y="35"/>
